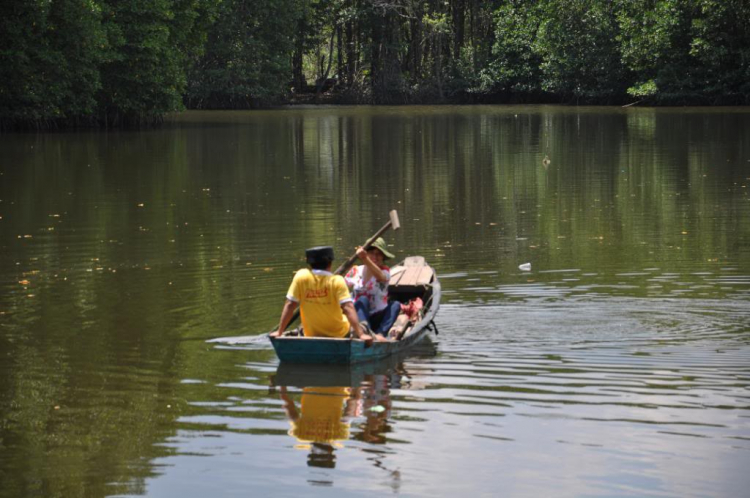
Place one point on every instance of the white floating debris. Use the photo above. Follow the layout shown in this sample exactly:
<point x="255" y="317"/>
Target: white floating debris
<point x="525" y="267"/>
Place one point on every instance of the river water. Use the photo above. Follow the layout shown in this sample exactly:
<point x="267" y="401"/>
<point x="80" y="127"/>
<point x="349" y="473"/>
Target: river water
<point x="618" y="365"/>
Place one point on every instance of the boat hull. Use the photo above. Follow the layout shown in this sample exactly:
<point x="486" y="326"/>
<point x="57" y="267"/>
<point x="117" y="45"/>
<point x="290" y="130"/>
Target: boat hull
<point x="328" y="350"/>
<point x="349" y="374"/>
<point x="340" y="351"/>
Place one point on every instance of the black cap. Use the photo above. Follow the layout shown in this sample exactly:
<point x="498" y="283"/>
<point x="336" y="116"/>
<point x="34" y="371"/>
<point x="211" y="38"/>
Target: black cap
<point x="320" y="254"/>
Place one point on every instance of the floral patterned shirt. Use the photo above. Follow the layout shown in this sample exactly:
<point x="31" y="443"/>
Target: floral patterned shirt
<point x="376" y="292"/>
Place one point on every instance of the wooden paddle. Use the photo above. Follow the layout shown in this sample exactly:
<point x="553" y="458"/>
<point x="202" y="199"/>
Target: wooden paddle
<point x="346" y="265"/>
<point x="392" y="223"/>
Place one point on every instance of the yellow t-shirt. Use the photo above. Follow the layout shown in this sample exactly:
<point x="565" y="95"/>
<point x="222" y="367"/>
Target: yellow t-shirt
<point x="321" y="415"/>
<point x="320" y="295"/>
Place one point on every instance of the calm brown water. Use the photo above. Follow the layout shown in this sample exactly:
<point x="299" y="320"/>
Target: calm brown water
<point x="619" y="365"/>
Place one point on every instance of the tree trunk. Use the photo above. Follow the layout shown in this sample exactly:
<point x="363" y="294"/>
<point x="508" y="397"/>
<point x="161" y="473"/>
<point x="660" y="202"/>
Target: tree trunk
<point x="415" y="47"/>
<point x="459" y="9"/>
<point x="439" y="65"/>
<point x="300" y="85"/>
<point x="324" y="74"/>
<point x="350" y="50"/>
<point x="339" y="55"/>
<point x="375" y="52"/>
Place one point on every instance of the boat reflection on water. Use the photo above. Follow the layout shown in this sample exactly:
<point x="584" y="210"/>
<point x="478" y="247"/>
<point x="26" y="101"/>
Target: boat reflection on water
<point x="321" y="422"/>
<point x="337" y="403"/>
<point x="374" y="403"/>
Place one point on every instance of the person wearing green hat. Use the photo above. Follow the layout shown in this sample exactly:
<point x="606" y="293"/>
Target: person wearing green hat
<point x="369" y="285"/>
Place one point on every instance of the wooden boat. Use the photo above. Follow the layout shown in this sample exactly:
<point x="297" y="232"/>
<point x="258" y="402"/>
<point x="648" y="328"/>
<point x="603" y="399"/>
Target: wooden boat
<point x="351" y="374"/>
<point x="411" y="279"/>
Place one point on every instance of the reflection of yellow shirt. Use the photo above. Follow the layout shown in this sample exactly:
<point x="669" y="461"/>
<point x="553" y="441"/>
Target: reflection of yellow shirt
<point x="320" y="295"/>
<point x="321" y="414"/>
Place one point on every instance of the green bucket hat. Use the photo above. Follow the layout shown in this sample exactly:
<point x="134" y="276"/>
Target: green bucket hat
<point x="379" y="244"/>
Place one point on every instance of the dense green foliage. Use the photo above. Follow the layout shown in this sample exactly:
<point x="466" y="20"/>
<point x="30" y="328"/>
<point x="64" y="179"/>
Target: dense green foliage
<point x="131" y="61"/>
<point x="48" y="69"/>
<point x="143" y="75"/>
<point x="247" y="55"/>
<point x="84" y="61"/>
<point x="687" y="51"/>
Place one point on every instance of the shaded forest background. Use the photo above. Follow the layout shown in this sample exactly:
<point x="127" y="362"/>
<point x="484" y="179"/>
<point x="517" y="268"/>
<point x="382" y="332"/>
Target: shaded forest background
<point x="128" y="62"/>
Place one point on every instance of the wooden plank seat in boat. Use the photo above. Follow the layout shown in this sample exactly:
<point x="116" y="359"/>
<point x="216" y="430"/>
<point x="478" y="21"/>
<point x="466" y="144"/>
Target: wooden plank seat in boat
<point x="410" y="279"/>
<point x="413" y="272"/>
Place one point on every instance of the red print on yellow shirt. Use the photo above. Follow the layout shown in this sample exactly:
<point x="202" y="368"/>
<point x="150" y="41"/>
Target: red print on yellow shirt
<point x="316" y="293"/>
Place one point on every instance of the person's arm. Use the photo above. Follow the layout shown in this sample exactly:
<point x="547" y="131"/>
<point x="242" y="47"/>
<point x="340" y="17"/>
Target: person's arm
<point x="370" y="264"/>
<point x="289" y="408"/>
<point x="352" y="402"/>
<point x="286" y="317"/>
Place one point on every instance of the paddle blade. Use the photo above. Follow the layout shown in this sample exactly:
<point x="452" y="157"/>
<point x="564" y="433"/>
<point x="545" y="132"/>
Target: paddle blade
<point x="394" y="220"/>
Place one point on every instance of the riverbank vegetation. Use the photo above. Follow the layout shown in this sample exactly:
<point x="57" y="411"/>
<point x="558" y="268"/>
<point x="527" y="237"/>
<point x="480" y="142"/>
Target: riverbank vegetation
<point x="128" y="62"/>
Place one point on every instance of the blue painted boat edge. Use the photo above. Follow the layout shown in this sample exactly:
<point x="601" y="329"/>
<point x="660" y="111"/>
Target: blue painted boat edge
<point x="312" y="349"/>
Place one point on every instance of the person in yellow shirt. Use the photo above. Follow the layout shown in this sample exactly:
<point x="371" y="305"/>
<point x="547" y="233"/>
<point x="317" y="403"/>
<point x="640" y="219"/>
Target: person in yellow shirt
<point x="323" y="417"/>
<point x="325" y="304"/>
